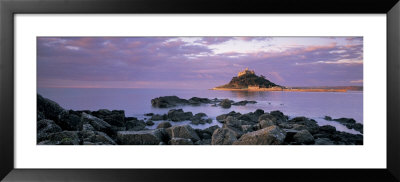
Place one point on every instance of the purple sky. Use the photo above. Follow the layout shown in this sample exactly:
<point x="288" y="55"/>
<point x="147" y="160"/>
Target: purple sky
<point x="196" y="62"/>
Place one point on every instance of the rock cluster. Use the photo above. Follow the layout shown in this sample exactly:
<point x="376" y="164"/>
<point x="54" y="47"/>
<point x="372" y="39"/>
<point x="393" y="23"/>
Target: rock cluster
<point x="173" y="101"/>
<point x="57" y="126"/>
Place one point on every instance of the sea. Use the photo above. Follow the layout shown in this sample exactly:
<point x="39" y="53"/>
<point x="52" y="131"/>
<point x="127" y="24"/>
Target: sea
<point x="137" y="101"/>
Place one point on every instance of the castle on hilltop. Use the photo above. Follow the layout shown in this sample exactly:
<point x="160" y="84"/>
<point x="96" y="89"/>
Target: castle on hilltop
<point x="245" y="72"/>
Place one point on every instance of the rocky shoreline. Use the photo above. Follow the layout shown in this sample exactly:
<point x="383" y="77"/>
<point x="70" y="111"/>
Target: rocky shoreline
<point x="57" y="126"/>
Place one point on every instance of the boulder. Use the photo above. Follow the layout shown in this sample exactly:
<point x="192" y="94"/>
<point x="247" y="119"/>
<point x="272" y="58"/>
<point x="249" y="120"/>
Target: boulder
<point x="206" y="133"/>
<point x="252" y="118"/>
<point x="200" y="118"/>
<point x="144" y="137"/>
<point x="279" y="116"/>
<point x="223" y="136"/>
<point x="69" y="121"/>
<point x="135" y="125"/>
<point x="97" y="123"/>
<point x="247" y="128"/>
<point x="327" y="129"/>
<point x="180" y="141"/>
<point x="179" y="115"/>
<point x="309" y="124"/>
<point x="114" y="117"/>
<point x="183" y="131"/>
<point x="164" y="124"/>
<point x="149" y="114"/>
<point x="149" y="123"/>
<point x="61" y="138"/>
<point x="323" y="141"/>
<point x="168" y="101"/>
<point x="95" y="138"/>
<point x="203" y="142"/>
<point x="328" y="118"/>
<point x="226" y="103"/>
<point x="303" y="137"/>
<point x="87" y="127"/>
<point x="48" y="109"/>
<point x="221" y="118"/>
<point x="266" y="117"/>
<point x="272" y="135"/>
<point x="266" y="123"/>
<point x="45" y="127"/>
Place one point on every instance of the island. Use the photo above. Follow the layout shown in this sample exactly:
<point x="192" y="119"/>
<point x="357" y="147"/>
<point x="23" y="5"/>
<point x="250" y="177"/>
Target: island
<point x="247" y="80"/>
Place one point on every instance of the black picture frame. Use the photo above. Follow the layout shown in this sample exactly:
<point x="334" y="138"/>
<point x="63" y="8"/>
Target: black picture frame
<point x="8" y="8"/>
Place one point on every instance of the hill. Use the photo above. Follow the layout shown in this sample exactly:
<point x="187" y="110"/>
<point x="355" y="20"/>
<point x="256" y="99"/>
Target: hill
<point x="246" y="79"/>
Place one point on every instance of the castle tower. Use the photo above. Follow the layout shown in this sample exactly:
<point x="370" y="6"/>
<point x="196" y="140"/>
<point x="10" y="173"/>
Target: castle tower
<point x="246" y="71"/>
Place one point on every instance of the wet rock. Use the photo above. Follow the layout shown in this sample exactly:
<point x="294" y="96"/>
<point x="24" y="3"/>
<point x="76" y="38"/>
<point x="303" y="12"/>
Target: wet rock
<point x="272" y="135"/>
<point x="223" y="136"/>
<point x="279" y="116"/>
<point x="61" y="138"/>
<point x="158" y="117"/>
<point x="200" y="118"/>
<point x="183" y="131"/>
<point x="179" y="115"/>
<point x="198" y="101"/>
<point x="303" y="137"/>
<point x="144" y="137"/>
<point x="328" y="118"/>
<point x="48" y="109"/>
<point x="168" y="101"/>
<point x="226" y="103"/>
<point x="266" y="117"/>
<point x="298" y="127"/>
<point x="323" y="141"/>
<point x="46" y="127"/>
<point x="206" y="133"/>
<point x="247" y="128"/>
<point x="135" y="125"/>
<point x="180" y="141"/>
<point x="309" y="124"/>
<point x="149" y="114"/>
<point x="244" y="102"/>
<point x="164" y="124"/>
<point x="149" y="123"/>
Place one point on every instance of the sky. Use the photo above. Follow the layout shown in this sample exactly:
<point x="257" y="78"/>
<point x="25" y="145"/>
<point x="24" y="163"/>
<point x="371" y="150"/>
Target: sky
<point x="196" y="62"/>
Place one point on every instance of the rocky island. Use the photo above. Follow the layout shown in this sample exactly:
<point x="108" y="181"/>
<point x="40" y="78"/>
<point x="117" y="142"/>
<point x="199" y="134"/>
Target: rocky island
<point x="58" y="126"/>
<point x="247" y="80"/>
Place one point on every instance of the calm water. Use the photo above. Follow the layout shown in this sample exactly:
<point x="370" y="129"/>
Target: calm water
<point x="136" y="102"/>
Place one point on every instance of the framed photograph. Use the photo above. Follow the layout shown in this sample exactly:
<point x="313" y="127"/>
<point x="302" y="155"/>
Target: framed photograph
<point x="136" y="91"/>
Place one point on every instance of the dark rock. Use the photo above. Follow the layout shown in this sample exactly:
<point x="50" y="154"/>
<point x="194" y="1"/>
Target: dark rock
<point x="303" y="137"/>
<point x="250" y="117"/>
<point x="48" y="109"/>
<point x="200" y="118"/>
<point x="267" y="116"/>
<point x="97" y="123"/>
<point x="179" y="115"/>
<point x="272" y="135"/>
<point x="328" y="118"/>
<point x="247" y="128"/>
<point x="144" y="137"/>
<point x="310" y="124"/>
<point x="130" y="118"/>
<point x="203" y="142"/>
<point x="87" y="127"/>
<point x="69" y="121"/>
<point x="135" y="125"/>
<point x="45" y="127"/>
<point x="323" y="141"/>
<point x="180" y="141"/>
<point x="266" y="123"/>
<point x="149" y="114"/>
<point x="206" y="133"/>
<point x="289" y="135"/>
<point x="149" y="123"/>
<point x="345" y="120"/>
<point x="298" y="127"/>
<point x="327" y="129"/>
<point x="164" y="124"/>
<point x="114" y="117"/>
<point x="259" y="112"/>
<point x="157" y="117"/>
<point x="279" y="116"/>
<point x="343" y="138"/>
<point x="61" y="138"/>
<point x="95" y="138"/>
<point x="221" y="118"/>
<point x="168" y="101"/>
<point x="226" y="103"/>
<point x="243" y="103"/>
<point x="223" y="136"/>
<point x="198" y="101"/>
<point x="183" y="131"/>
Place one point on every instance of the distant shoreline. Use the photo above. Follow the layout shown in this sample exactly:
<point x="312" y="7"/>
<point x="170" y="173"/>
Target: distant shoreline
<point x="282" y="89"/>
